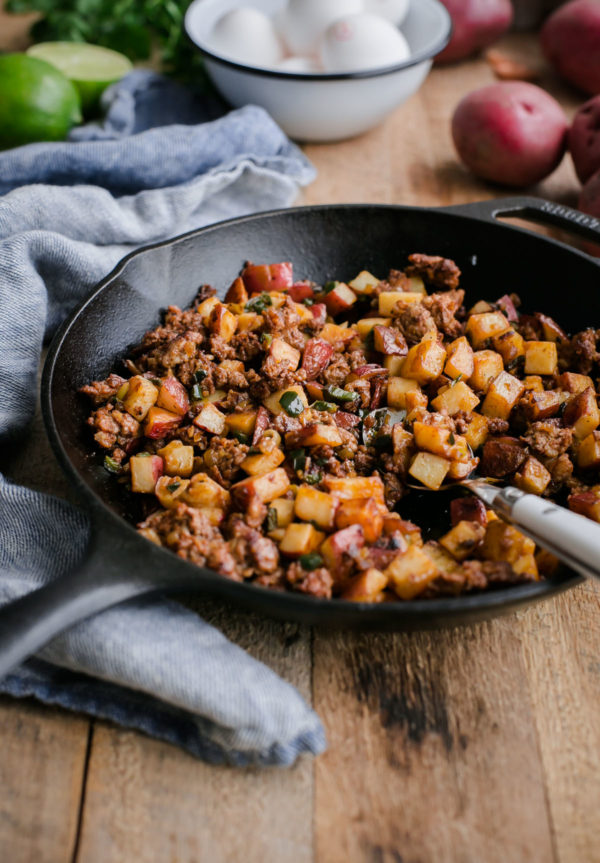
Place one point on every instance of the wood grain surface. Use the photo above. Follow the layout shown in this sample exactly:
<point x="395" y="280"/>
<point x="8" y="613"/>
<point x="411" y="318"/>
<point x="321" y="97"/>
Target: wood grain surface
<point x="473" y="745"/>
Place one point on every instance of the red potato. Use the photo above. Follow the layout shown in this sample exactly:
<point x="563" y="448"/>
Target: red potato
<point x="584" y="139"/>
<point x="317" y="354"/>
<point x="301" y="291"/>
<point x="340" y="299"/>
<point x="268" y="277"/>
<point x="570" y="40"/>
<point x="512" y="133"/>
<point x="146" y="470"/>
<point x="173" y="397"/>
<point x="319" y="313"/>
<point x="476" y="24"/>
<point x="159" y="422"/>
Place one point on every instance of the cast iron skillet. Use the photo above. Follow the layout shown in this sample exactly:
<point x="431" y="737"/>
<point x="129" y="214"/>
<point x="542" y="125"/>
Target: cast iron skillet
<point x="323" y="242"/>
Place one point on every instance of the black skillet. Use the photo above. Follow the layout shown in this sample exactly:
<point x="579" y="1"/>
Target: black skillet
<point x="323" y="242"/>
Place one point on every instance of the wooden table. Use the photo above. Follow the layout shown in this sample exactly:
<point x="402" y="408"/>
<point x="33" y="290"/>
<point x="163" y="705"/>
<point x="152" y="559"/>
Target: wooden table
<point x="474" y="745"/>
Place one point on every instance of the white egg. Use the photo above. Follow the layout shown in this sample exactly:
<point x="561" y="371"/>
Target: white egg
<point x="394" y="10"/>
<point x="299" y="64"/>
<point x="247" y="36"/>
<point x="303" y="22"/>
<point x="360" y="42"/>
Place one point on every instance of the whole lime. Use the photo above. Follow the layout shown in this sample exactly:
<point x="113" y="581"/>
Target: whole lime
<point x="37" y="102"/>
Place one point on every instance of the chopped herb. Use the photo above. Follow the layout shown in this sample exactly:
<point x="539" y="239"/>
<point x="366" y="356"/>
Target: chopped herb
<point x="272" y="521"/>
<point x="157" y="382"/>
<point x="200" y="375"/>
<point x="313" y="478"/>
<point x="144" y="455"/>
<point x="266" y="339"/>
<point x="292" y="404"/>
<point x="310" y="561"/>
<point x="337" y="394"/>
<point x="241" y="437"/>
<point x="308" y="301"/>
<point x="456" y="380"/>
<point x="111" y="465"/>
<point x="173" y="486"/>
<point x="451" y="439"/>
<point x="197" y="393"/>
<point x="260" y="303"/>
<point x="324" y="406"/>
<point x="298" y="457"/>
<point x="328" y="287"/>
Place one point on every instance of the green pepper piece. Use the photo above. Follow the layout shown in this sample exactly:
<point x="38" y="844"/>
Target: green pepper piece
<point x="111" y="465"/>
<point x="199" y="375"/>
<point x="259" y="304"/>
<point x="310" y="561"/>
<point x="292" y="404"/>
<point x="271" y="518"/>
<point x="337" y="394"/>
<point x="324" y="406"/>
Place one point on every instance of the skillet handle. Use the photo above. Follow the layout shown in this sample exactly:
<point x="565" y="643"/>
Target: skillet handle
<point x="102" y="579"/>
<point x="536" y="210"/>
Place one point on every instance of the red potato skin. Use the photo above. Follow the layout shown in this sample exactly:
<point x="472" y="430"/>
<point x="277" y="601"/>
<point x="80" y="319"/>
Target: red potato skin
<point x="512" y="133"/>
<point x="584" y="139"/>
<point x="476" y="24"/>
<point x="570" y="39"/>
<point x="301" y="291"/>
<point x="268" y="277"/>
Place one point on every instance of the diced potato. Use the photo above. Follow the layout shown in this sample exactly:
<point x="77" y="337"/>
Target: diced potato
<point x="160" y="422"/>
<point x="533" y="383"/>
<point x="510" y="345"/>
<point x="272" y="401"/>
<point x="172" y="396"/>
<point x="417" y="285"/>
<point x="150" y="534"/>
<point x="366" y="587"/>
<point x="424" y="362"/>
<point x="457" y="397"/>
<point x="265" y="487"/>
<point x="170" y="489"/>
<point x="574" y="383"/>
<point x="502" y="541"/>
<point x="300" y="538"/>
<point x="318" y="434"/>
<point x="364" y="282"/>
<point x="213" y="398"/>
<point x="460" y="359"/>
<point x="502" y="395"/>
<point x="526" y="564"/>
<point x="588" y="455"/>
<point x="304" y="313"/>
<point x="243" y="422"/>
<point x="365" y="325"/>
<point x="232" y="366"/>
<point x="342" y="542"/>
<point x="440" y="557"/>
<point x="487" y="365"/>
<point x="440" y="441"/>
<point x="411" y="572"/>
<point x="276" y="534"/>
<point x="398" y="387"/>
<point x="261" y="463"/>
<point x="582" y="413"/>
<point x="206" y="307"/>
<point x="336" y="334"/>
<point x="485" y="326"/>
<point x="211" y="419"/>
<point x="546" y="562"/>
<point x="237" y="292"/>
<point x="284" y="509"/>
<point x="477" y="431"/>
<point x="140" y="397"/>
<point x="532" y="477"/>
<point x="429" y="469"/>
<point x="540" y="405"/>
<point x="462" y="469"/>
<point x="145" y="472"/>
<point x="352" y="487"/>
<point x="366" y="512"/>
<point x="541" y="358"/>
<point x="463" y="539"/>
<point x="249" y="321"/>
<point x="388" y="299"/>
<point x="222" y="322"/>
<point x="586" y="503"/>
<point x="314" y="505"/>
<point x="340" y="299"/>
<point x="286" y="356"/>
<point x="415" y="399"/>
<point x="178" y="458"/>
<point x="204" y="493"/>
<point x="393" y="364"/>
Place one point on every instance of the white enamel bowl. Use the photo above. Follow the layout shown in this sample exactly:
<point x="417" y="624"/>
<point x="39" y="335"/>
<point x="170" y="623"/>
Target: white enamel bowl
<point x="322" y="107"/>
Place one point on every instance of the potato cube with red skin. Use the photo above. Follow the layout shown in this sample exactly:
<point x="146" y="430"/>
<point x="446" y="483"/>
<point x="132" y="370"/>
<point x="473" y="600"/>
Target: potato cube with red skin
<point x="273" y="402"/>
<point x="457" y="397"/>
<point x="261" y="424"/>
<point x="550" y="329"/>
<point x="574" y="383"/>
<point x="366" y="587"/>
<point x="300" y="538"/>
<point x="268" y="277"/>
<point x="172" y="396"/>
<point x="318" y="434"/>
<point x="502" y="395"/>
<point x="206" y="308"/>
<point x="249" y="322"/>
<point x="429" y="469"/>
<point x="314" y="505"/>
<point x="243" y="423"/>
<point x="316" y="356"/>
<point x="510" y="345"/>
<point x="410" y="573"/>
<point x="346" y="541"/>
<point x="319" y="314"/>
<point x="365" y="326"/>
<point x="339" y="299"/>
<point x="266" y="487"/>
<point x="211" y="419"/>
<point x="506" y="304"/>
<point x="459" y="362"/>
<point x="425" y="361"/>
<point x="440" y="441"/>
<point x="582" y="413"/>
<point x="533" y="477"/>
<point x="170" y="490"/>
<point x="178" y="458"/>
<point x="389" y="341"/>
<point x="388" y="300"/>
<point x="145" y="472"/>
<point x="140" y="397"/>
<point x="467" y="509"/>
<point x="541" y="405"/>
<point x="261" y="463"/>
<point x="541" y="358"/>
<point x="364" y="283"/>
<point x="301" y="291"/>
<point x="160" y="422"/>
<point x="502" y="541"/>
<point x="487" y="365"/>
<point x="237" y="293"/>
<point x="286" y="356"/>
<point x="283" y="508"/>
<point x="222" y="323"/>
<point x="502" y="456"/>
<point x="486" y="326"/>
<point x="366" y="512"/>
<point x="588" y="454"/>
<point x="586" y="503"/>
<point x="352" y="487"/>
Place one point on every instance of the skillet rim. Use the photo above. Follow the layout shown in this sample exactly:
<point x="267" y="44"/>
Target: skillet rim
<point x="416" y="614"/>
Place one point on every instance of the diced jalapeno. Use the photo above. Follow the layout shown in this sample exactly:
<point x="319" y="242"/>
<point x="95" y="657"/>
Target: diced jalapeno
<point x="259" y="304"/>
<point x="271" y="518"/>
<point x="337" y="394"/>
<point x="308" y="301"/>
<point x="197" y="394"/>
<point x="313" y="478"/>
<point x="111" y="465"/>
<point x="298" y="457"/>
<point x="324" y="406"/>
<point x="328" y="287"/>
<point x="292" y="404"/>
<point x="310" y="561"/>
<point x="241" y="436"/>
<point x="173" y="486"/>
<point x="266" y="339"/>
<point x="199" y="375"/>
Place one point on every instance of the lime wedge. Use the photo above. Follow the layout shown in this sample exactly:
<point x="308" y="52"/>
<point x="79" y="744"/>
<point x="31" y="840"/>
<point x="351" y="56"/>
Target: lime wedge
<point x="91" y="68"/>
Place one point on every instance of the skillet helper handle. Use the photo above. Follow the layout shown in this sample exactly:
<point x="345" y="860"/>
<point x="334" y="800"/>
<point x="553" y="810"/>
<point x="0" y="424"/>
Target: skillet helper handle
<point x="571" y="537"/>
<point x="535" y="210"/>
